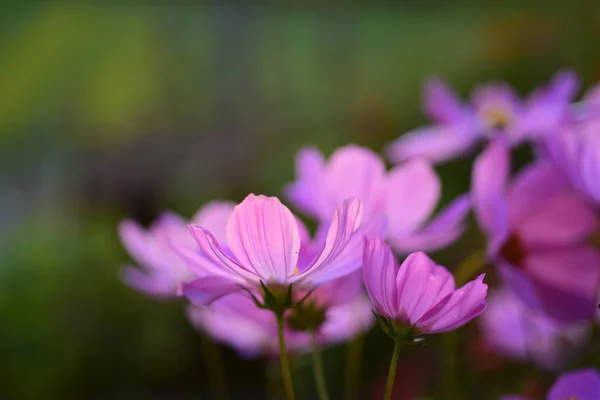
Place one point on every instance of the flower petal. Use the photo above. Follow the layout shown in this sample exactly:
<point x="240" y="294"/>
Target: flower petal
<point x="203" y="291"/>
<point x="263" y="235"/>
<point x="307" y="192"/>
<point x="456" y="309"/>
<point x="441" y="103"/>
<point x="580" y="384"/>
<point x="443" y="230"/>
<point x="413" y="192"/>
<point x="151" y="282"/>
<point x="379" y="276"/>
<point x="213" y="217"/>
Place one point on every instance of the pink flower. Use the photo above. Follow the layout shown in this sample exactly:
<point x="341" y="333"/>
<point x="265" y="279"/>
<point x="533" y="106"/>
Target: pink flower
<point x="536" y="227"/>
<point x="523" y="334"/>
<point x="418" y="294"/>
<point x="235" y="320"/>
<point x="495" y="110"/>
<point x="267" y="245"/>
<point x="583" y="384"/>
<point x="161" y="268"/>
<point x="406" y="196"/>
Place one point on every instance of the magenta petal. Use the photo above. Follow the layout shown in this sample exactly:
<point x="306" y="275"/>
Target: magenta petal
<point x="437" y="143"/>
<point x="379" y="276"/>
<point x="413" y="192"/>
<point x="213" y="217"/>
<point x="421" y="285"/>
<point x="490" y="174"/>
<point x="262" y="234"/>
<point x="307" y="192"/>
<point x="441" y="103"/>
<point x="456" y="309"/>
<point x="203" y="291"/>
<point x="580" y="384"/>
<point x="339" y="245"/>
<point x="443" y="230"/>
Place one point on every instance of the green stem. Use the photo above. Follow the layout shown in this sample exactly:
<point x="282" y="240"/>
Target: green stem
<point x="318" y="369"/>
<point x="214" y="367"/>
<point x="353" y="367"/>
<point x="392" y="373"/>
<point x="285" y="363"/>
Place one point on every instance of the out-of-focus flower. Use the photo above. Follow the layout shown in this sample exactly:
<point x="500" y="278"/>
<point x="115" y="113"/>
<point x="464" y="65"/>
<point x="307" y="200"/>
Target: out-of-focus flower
<point x="406" y="196"/>
<point x="419" y="295"/>
<point x="161" y="269"/>
<point x="236" y="321"/>
<point x="495" y="110"/>
<point x="536" y="228"/>
<point x="265" y="250"/>
<point x="576" y="145"/>
<point x="582" y="384"/>
<point x="523" y="334"/>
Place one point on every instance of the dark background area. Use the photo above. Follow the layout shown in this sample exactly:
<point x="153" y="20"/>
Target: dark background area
<point x="124" y="109"/>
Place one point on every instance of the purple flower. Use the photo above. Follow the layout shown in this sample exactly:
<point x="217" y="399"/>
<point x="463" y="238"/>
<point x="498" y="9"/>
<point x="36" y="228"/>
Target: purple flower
<point x="576" y="146"/>
<point x="235" y="320"/>
<point x="536" y="227"/>
<point x="495" y="110"/>
<point x="406" y="196"/>
<point x="583" y="384"/>
<point x="418" y="294"/>
<point x="267" y="245"/>
<point x="161" y="268"/>
<point x="523" y="334"/>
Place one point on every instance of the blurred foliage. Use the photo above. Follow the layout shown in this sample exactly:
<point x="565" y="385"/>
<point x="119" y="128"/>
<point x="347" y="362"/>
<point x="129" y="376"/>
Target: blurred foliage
<point x="116" y="109"/>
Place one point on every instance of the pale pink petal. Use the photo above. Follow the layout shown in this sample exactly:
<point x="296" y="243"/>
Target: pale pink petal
<point x="437" y="143"/>
<point x="442" y="231"/>
<point x="490" y="174"/>
<point x="562" y="219"/>
<point x="262" y="235"/>
<point x="139" y="244"/>
<point x="346" y="321"/>
<point x="413" y="193"/>
<point x="456" y="309"/>
<point x="441" y="103"/>
<point x="421" y="285"/>
<point x="338" y="256"/>
<point x="203" y="291"/>
<point x="307" y="193"/>
<point x="379" y="276"/>
<point x="154" y="283"/>
<point x="213" y="217"/>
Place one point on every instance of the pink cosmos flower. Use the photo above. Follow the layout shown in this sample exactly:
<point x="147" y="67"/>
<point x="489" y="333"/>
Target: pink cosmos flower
<point x="576" y="145"/>
<point x="523" y="334"/>
<point x="536" y="226"/>
<point x="161" y="268"/>
<point x="406" y="196"/>
<point x="235" y="320"/>
<point x="582" y="384"/>
<point x="418" y="294"/>
<point x="267" y="245"/>
<point x="495" y="110"/>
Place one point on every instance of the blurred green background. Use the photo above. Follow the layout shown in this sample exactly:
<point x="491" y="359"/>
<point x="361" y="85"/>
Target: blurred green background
<point x="125" y="109"/>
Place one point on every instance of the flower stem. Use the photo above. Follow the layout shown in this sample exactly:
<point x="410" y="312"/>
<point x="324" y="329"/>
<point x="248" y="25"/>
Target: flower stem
<point x="392" y="373"/>
<point x="352" y="367"/>
<point x="318" y="369"/>
<point x="285" y="363"/>
<point x="214" y="368"/>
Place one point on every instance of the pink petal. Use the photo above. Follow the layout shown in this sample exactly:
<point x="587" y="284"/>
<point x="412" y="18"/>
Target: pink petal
<point x="437" y="143"/>
<point x="421" y="285"/>
<point x="413" y="193"/>
<point x="263" y="235"/>
<point x="139" y="244"/>
<point x="307" y="192"/>
<point x="456" y="309"/>
<point x="153" y="283"/>
<point x="442" y="231"/>
<point x="441" y="103"/>
<point x="490" y="174"/>
<point x="203" y="291"/>
<point x="346" y="321"/>
<point x="580" y="384"/>
<point x="339" y="255"/>
<point x="562" y="219"/>
<point x="213" y="217"/>
<point x="379" y="276"/>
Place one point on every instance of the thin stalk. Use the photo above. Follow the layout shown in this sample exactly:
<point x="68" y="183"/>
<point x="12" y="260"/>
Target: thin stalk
<point x="214" y="367"/>
<point x="392" y="373"/>
<point x="354" y="354"/>
<point x="318" y="369"/>
<point x="285" y="363"/>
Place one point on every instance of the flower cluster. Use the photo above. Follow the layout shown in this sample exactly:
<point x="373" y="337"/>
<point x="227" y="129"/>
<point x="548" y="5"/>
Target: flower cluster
<point x="258" y="281"/>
